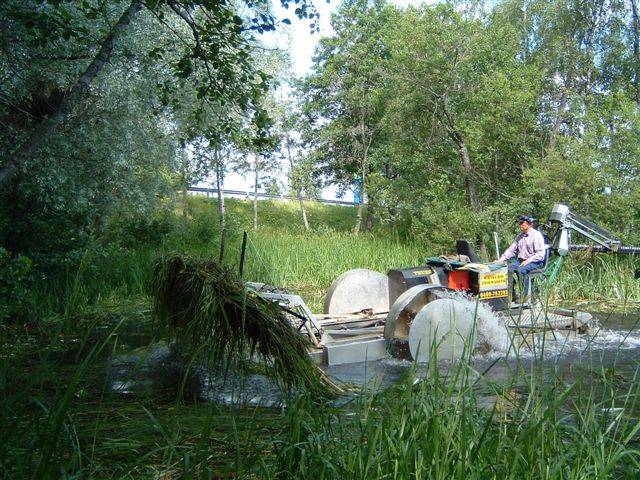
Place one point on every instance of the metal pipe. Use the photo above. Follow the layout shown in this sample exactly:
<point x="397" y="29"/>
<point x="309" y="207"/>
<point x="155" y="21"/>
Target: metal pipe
<point x="602" y="249"/>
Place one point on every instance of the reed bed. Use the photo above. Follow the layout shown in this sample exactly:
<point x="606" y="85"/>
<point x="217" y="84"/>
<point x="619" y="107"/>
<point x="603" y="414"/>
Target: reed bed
<point x="541" y="421"/>
<point x="213" y="316"/>
<point x="606" y="279"/>
<point x="308" y="265"/>
<point x="438" y="426"/>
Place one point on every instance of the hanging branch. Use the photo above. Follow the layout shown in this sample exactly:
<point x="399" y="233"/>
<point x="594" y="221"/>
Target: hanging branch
<point x="75" y="96"/>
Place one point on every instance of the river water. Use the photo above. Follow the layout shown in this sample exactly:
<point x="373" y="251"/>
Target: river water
<point x="613" y="344"/>
<point x="612" y="349"/>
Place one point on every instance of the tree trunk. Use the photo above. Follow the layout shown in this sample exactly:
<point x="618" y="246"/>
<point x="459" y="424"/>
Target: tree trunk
<point x="365" y="141"/>
<point x="370" y="213"/>
<point x="303" y="210"/>
<point x="76" y="95"/>
<point x="484" y="250"/>
<point x="474" y="202"/>
<point x="461" y="145"/>
<point x="559" y="120"/>
<point x="472" y="196"/>
<point x="255" y="193"/>
<point x="393" y="222"/>
<point x="184" y="204"/>
<point x="356" y="229"/>
<point x="220" y="188"/>
<point x="185" y="186"/>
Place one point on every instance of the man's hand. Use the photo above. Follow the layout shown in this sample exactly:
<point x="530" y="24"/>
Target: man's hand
<point x="525" y="262"/>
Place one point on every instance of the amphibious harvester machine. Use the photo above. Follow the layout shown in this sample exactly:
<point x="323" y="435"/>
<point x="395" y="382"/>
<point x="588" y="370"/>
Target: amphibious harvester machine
<point x="440" y="305"/>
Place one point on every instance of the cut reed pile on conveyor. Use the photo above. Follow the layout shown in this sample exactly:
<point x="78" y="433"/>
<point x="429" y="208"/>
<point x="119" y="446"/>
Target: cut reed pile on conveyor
<point x="212" y="314"/>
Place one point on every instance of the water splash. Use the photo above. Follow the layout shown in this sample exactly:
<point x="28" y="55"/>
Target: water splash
<point x="495" y="339"/>
<point x="491" y="330"/>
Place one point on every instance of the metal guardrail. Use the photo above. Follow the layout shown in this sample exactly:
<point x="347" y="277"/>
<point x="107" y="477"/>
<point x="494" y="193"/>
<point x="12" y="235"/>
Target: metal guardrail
<point x="248" y="194"/>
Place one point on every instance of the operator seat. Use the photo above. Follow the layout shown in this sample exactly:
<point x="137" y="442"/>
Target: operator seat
<point x="538" y="272"/>
<point x="464" y="247"/>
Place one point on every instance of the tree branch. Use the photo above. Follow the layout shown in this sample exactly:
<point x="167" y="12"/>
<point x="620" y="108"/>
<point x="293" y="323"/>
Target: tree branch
<point x="76" y="95"/>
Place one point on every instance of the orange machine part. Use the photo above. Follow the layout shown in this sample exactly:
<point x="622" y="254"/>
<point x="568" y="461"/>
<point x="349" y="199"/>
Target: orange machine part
<point x="458" y="280"/>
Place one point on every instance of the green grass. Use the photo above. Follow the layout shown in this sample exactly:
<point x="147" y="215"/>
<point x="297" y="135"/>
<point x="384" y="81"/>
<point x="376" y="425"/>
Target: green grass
<point x="435" y="424"/>
<point x="308" y="265"/>
<point x="59" y="417"/>
<point x="281" y="253"/>
<point x="438" y="426"/>
<point x="601" y="279"/>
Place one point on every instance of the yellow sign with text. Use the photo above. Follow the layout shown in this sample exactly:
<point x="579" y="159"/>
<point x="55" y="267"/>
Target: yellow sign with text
<point x="428" y="271"/>
<point x="494" y="294"/>
<point x="494" y="280"/>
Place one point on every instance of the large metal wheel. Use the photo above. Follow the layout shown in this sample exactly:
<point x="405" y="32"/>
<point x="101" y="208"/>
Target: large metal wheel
<point x="356" y="291"/>
<point x="407" y="306"/>
<point x="443" y="329"/>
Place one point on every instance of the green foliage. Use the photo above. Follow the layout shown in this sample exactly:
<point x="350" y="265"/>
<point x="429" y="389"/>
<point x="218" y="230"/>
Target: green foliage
<point x="530" y="103"/>
<point x="460" y="423"/>
<point x="606" y="280"/>
<point x="313" y="261"/>
<point x="442" y="425"/>
<point x="100" y="106"/>
<point x="342" y="101"/>
<point x="513" y="105"/>
<point x="442" y="225"/>
<point x="82" y="280"/>
<point x="276" y="216"/>
<point x="141" y="230"/>
<point x="17" y="281"/>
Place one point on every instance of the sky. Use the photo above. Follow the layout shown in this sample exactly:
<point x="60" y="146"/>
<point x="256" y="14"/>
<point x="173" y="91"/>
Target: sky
<point x="303" y="42"/>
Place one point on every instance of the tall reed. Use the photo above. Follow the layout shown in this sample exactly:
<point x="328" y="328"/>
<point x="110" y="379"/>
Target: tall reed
<point x="438" y="426"/>
<point x="601" y="278"/>
<point x="540" y="421"/>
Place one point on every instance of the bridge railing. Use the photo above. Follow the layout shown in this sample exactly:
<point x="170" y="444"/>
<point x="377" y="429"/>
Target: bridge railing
<point x="248" y="194"/>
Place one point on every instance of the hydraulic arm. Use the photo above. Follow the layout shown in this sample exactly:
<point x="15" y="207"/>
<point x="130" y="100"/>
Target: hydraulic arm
<point x="605" y="241"/>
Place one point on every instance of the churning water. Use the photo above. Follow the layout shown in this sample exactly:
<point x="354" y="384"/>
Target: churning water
<point x="612" y="343"/>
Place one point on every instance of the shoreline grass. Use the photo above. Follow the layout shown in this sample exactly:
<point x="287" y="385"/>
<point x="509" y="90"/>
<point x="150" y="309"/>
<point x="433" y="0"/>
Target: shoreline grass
<point x="532" y="425"/>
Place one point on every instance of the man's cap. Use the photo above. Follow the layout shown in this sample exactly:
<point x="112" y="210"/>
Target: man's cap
<point x="525" y="218"/>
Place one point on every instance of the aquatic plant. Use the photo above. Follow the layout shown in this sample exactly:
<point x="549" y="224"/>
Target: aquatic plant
<point x="440" y="425"/>
<point x="599" y="278"/>
<point x="215" y="317"/>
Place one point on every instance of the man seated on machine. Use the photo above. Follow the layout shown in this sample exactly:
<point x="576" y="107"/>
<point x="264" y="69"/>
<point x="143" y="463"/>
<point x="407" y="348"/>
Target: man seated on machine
<point x="529" y="250"/>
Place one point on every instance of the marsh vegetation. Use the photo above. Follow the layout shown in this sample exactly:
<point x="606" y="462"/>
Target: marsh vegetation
<point x="92" y="388"/>
<point x="447" y="119"/>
